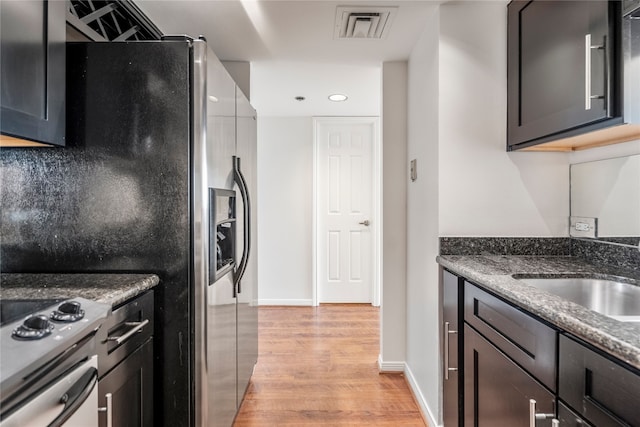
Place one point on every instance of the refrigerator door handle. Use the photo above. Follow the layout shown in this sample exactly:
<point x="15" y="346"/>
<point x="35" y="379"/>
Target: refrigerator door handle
<point x="244" y="192"/>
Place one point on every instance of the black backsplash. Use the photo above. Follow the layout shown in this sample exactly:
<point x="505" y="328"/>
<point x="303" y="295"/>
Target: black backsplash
<point x="78" y="209"/>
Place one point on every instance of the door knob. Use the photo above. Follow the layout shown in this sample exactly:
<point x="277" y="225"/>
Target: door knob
<point x="365" y="223"/>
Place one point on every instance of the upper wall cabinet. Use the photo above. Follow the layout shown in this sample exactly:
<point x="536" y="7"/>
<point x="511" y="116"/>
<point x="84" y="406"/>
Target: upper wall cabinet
<point x="564" y="72"/>
<point x="33" y="72"/>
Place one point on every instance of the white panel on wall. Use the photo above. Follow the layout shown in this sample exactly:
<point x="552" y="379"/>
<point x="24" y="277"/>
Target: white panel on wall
<point x="333" y="257"/>
<point x="355" y="251"/>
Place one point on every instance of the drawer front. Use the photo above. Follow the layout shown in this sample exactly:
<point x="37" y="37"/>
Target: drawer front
<point x="128" y="327"/>
<point x="529" y="342"/>
<point x="598" y="389"/>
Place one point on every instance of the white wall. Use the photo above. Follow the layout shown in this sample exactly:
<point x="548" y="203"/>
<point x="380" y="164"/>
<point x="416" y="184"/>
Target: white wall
<point x="394" y="218"/>
<point x="285" y="200"/>
<point x="485" y="191"/>
<point x="469" y="185"/>
<point x="605" y="190"/>
<point x="422" y="223"/>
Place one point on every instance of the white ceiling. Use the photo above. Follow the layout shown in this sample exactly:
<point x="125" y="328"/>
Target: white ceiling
<point x="291" y="47"/>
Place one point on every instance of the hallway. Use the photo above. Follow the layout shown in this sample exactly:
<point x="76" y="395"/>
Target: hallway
<point x="318" y="366"/>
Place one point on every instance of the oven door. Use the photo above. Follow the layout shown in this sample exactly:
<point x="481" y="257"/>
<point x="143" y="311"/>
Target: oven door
<point x="71" y="401"/>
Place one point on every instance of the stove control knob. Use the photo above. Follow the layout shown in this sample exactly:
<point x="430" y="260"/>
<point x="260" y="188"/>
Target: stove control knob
<point x="37" y="322"/>
<point x="69" y="311"/>
<point x="33" y="328"/>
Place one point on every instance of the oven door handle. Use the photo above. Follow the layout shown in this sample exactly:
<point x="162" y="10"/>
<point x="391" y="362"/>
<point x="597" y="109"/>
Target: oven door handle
<point x="76" y="396"/>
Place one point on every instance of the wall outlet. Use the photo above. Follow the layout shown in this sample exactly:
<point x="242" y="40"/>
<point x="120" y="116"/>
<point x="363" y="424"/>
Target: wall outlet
<point x="583" y="227"/>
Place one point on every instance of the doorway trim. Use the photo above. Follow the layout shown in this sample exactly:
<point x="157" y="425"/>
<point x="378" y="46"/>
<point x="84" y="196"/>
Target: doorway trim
<point x="376" y="202"/>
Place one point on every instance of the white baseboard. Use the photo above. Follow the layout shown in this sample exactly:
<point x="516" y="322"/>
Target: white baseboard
<point x="390" y="366"/>
<point x="422" y="402"/>
<point x="294" y="302"/>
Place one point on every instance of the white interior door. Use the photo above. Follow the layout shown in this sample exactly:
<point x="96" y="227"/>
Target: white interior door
<point x="345" y="210"/>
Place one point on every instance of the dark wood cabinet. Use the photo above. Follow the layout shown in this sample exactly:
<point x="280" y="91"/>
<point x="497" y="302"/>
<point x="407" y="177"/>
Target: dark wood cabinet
<point x="125" y="365"/>
<point x="513" y="365"/>
<point x="129" y="387"/>
<point x="509" y="363"/>
<point x="452" y="343"/>
<point x="497" y="392"/>
<point x="603" y="392"/>
<point x="563" y="73"/>
<point x="33" y="71"/>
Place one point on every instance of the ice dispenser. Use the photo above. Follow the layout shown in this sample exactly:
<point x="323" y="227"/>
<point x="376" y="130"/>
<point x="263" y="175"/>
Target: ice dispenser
<point x="222" y="232"/>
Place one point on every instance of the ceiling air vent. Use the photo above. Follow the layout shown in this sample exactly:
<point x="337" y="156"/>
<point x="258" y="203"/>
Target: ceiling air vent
<point x="363" y="23"/>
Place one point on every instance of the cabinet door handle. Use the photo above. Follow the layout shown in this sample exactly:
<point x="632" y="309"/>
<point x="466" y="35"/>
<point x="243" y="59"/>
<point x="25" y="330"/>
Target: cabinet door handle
<point x="137" y="327"/>
<point x="446" y="350"/>
<point x="108" y="409"/>
<point x="533" y="416"/>
<point x="587" y="72"/>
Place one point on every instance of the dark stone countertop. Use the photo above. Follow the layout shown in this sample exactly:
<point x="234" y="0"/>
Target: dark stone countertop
<point x="494" y="273"/>
<point x="108" y="288"/>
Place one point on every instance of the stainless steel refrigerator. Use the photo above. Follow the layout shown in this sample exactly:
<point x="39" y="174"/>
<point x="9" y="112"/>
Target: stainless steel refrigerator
<point x="226" y="334"/>
<point x="152" y="127"/>
<point x="226" y="319"/>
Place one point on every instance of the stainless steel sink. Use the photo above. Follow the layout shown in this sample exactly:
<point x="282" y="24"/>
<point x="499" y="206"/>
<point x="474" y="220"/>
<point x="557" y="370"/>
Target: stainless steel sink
<point x="618" y="300"/>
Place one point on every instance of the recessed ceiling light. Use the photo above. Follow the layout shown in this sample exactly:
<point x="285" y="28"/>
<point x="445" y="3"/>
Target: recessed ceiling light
<point x="299" y="98"/>
<point x="337" y="97"/>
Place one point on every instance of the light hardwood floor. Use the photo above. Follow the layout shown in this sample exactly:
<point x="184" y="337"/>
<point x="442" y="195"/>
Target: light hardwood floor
<point x="318" y="366"/>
